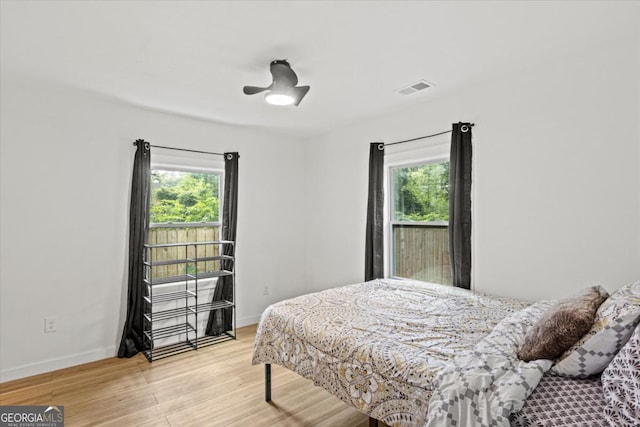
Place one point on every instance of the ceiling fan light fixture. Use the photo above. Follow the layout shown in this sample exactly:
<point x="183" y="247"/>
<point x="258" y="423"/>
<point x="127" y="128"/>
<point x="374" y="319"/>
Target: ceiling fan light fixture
<point x="284" y="89"/>
<point x="281" y="99"/>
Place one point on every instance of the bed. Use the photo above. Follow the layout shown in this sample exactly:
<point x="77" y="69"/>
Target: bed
<point x="406" y="352"/>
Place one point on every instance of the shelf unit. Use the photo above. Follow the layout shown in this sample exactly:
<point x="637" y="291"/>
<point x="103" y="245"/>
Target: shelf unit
<point x="176" y="310"/>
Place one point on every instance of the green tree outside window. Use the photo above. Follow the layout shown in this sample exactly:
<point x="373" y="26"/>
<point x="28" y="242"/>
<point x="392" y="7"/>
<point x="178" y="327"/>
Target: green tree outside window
<point x="422" y="192"/>
<point x="184" y="197"/>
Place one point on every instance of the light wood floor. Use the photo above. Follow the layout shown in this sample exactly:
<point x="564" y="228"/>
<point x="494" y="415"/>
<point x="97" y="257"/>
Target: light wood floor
<point x="214" y="386"/>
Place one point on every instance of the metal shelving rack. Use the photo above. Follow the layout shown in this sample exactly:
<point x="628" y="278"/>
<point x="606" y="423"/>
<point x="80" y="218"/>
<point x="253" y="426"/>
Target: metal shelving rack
<point x="182" y="322"/>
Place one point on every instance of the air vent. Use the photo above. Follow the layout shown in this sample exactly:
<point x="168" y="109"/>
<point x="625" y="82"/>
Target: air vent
<point x="414" y="87"/>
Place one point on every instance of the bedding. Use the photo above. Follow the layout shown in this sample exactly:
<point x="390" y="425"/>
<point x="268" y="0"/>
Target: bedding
<point x="381" y="345"/>
<point x="610" y="399"/>
<point x="413" y="353"/>
<point x="615" y="321"/>
<point x="562" y="325"/>
<point x="484" y="385"/>
<point x="560" y="401"/>
<point x="621" y="385"/>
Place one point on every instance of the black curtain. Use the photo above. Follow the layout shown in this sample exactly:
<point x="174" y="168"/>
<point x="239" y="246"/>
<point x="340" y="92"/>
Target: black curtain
<point x="374" y="244"/>
<point x="221" y="320"/>
<point x="460" y="205"/>
<point x="132" y="336"/>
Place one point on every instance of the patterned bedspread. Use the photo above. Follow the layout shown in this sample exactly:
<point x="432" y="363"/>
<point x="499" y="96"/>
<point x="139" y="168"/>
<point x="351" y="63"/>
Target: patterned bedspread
<point x="378" y="345"/>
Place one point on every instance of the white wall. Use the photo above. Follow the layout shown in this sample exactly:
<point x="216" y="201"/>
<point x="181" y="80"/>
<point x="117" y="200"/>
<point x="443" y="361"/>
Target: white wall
<point x="65" y="183"/>
<point x="556" y="186"/>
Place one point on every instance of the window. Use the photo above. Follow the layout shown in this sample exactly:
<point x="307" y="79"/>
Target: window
<point x="184" y="207"/>
<point x="419" y="222"/>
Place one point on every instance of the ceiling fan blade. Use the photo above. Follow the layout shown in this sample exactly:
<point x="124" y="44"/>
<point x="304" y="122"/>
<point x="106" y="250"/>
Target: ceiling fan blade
<point x="282" y="73"/>
<point x="252" y="90"/>
<point x="299" y="93"/>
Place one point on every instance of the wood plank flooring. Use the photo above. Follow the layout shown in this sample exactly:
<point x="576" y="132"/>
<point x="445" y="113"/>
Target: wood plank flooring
<point x="214" y="386"/>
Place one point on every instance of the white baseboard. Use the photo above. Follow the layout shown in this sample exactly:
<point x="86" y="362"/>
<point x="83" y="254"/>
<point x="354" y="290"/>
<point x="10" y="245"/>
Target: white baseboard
<point x="78" y="359"/>
<point x="249" y="320"/>
<point x="55" y="364"/>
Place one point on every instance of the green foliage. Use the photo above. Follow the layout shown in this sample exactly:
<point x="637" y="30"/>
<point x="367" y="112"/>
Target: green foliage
<point x="421" y="193"/>
<point x="184" y="197"/>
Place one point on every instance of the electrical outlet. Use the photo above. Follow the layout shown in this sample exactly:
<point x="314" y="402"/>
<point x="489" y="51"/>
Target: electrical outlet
<point x="266" y="291"/>
<point x="50" y="324"/>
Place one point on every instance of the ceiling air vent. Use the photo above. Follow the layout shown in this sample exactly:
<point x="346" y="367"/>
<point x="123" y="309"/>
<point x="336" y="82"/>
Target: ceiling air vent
<point x="414" y="87"/>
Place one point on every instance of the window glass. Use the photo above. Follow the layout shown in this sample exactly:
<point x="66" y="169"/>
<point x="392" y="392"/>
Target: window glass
<point x="421" y="192"/>
<point x="184" y="208"/>
<point x="180" y="197"/>
<point x="419" y="218"/>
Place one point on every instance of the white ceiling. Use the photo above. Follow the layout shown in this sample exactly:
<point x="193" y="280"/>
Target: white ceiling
<point x="193" y="58"/>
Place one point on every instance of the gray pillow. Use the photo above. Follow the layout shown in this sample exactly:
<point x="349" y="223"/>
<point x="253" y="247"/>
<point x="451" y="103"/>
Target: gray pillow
<point x="562" y="325"/>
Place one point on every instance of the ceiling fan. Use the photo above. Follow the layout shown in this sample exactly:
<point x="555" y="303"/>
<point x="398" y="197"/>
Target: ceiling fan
<point x="283" y="89"/>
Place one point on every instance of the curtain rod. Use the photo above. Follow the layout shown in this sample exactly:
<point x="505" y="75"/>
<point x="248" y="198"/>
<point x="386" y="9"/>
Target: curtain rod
<point x="179" y="149"/>
<point x="465" y="128"/>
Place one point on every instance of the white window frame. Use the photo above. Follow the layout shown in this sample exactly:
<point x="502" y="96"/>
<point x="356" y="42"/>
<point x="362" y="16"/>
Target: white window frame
<point x="404" y="155"/>
<point x="186" y="162"/>
<point x="393" y="222"/>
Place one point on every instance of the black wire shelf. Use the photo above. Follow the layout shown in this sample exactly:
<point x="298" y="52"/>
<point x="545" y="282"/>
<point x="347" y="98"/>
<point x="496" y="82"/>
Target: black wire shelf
<point x="169" y="350"/>
<point x="179" y="310"/>
<point x="211" y="340"/>
<point x="212" y="258"/>
<point x="210" y="274"/>
<point x="169" y="331"/>
<point x="169" y="296"/>
<point x="167" y="262"/>
<point x="214" y="306"/>
<point x="169" y="314"/>
<point x="181" y="278"/>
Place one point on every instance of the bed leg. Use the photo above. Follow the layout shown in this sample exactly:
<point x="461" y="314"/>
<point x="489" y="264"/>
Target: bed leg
<point x="267" y="382"/>
<point x="373" y="422"/>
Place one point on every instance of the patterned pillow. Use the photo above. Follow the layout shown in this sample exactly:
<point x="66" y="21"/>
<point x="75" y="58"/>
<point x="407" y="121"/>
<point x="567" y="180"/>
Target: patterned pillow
<point x="562" y="325"/>
<point x="621" y="385"/>
<point x="615" y="320"/>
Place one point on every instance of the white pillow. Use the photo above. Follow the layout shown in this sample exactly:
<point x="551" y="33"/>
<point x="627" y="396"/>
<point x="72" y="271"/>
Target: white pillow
<point x="615" y="321"/>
